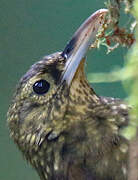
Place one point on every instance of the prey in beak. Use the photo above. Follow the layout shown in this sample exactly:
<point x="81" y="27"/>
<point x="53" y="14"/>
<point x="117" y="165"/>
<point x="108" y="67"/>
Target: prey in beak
<point x="76" y="49"/>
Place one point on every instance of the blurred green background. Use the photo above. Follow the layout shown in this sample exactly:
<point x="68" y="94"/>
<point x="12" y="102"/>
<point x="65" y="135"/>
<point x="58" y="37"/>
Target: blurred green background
<point x="30" y="29"/>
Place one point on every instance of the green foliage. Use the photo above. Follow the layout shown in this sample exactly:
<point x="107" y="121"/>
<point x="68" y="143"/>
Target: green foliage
<point x="128" y="74"/>
<point x="131" y="70"/>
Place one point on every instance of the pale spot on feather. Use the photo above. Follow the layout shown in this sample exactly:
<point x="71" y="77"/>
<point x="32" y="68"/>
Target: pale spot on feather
<point x="114" y="128"/>
<point x="122" y="119"/>
<point x="28" y="137"/>
<point x="124" y="148"/>
<point x="22" y="138"/>
<point x="106" y="163"/>
<point x="114" y="107"/>
<point x="105" y="100"/>
<point x="35" y="159"/>
<point x="111" y="119"/>
<point x="32" y="139"/>
<point x="55" y="166"/>
<point x="42" y="163"/>
<point x="48" y="169"/>
<point x="117" y="157"/>
<point x="45" y="175"/>
<point x="123" y="106"/>
<point x="124" y="170"/>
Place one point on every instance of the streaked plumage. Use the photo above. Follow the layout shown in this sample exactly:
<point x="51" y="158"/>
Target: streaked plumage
<point x="69" y="133"/>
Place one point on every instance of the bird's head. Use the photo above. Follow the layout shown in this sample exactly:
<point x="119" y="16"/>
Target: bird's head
<point x="43" y="94"/>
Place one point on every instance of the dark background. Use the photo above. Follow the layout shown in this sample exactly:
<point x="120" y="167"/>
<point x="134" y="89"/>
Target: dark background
<point x="30" y="29"/>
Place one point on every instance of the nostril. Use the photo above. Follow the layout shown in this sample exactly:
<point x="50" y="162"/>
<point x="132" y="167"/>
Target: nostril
<point x="69" y="47"/>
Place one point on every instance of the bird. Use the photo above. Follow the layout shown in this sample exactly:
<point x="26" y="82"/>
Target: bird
<point x="59" y="123"/>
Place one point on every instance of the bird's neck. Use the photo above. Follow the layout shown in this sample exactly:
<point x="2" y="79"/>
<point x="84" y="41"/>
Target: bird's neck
<point x="81" y="94"/>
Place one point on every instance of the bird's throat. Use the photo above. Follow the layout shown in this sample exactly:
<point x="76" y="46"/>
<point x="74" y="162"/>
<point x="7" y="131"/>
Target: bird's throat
<point x="80" y="91"/>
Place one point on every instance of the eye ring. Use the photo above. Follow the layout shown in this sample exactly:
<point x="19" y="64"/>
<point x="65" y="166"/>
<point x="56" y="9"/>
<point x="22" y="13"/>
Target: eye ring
<point x="41" y="87"/>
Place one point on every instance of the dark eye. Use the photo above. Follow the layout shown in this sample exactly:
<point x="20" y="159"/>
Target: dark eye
<point x="41" y="87"/>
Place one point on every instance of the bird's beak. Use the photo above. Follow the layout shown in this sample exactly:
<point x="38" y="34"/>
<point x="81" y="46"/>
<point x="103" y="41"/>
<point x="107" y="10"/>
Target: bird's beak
<point x="77" y="47"/>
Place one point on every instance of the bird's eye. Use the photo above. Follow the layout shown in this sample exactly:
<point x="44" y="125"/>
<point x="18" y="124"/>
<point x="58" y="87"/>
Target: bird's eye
<point x="41" y="87"/>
